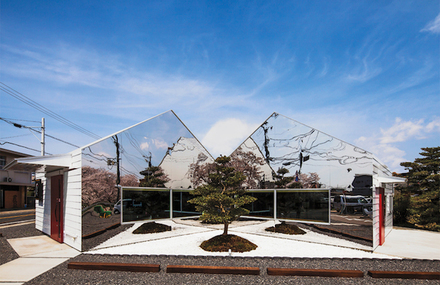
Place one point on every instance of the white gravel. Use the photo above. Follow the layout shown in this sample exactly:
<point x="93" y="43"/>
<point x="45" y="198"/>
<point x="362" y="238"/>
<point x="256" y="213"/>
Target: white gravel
<point x="186" y="237"/>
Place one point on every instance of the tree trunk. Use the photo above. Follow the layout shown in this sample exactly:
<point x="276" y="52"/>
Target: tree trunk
<point x="225" y="229"/>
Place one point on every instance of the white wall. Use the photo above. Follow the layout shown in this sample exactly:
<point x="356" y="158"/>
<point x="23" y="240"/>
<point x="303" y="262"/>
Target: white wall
<point x="42" y="207"/>
<point x="72" y="202"/>
<point x="389" y="194"/>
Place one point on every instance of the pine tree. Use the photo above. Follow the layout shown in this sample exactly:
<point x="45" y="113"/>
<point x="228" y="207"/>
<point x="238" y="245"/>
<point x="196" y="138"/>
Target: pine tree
<point x="423" y="178"/>
<point x="222" y="198"/>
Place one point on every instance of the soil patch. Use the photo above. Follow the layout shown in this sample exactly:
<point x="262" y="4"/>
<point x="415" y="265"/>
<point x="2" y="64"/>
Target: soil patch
<point x="222" y="243"/>
<point x="284" y="228"/>
<point x="152" y="227"/>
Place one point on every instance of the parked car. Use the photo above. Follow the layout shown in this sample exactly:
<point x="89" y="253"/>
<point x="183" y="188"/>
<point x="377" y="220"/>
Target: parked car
<point x="127" y="203"/>
<point x="351" y="204"/>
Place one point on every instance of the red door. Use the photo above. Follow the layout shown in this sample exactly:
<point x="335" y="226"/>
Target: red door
<point x="56" y="215"/>
<point x="381" y="216"/>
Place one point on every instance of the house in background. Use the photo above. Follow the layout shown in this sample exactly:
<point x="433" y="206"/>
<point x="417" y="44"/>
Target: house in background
<point x="14" y="184"/>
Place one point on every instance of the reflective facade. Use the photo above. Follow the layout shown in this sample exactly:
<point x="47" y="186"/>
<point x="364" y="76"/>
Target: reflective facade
<point x="286" y="143"/>
<point x="298" y="167"/>
<point x="126" y="159"/>
<point x="303" y="170"/>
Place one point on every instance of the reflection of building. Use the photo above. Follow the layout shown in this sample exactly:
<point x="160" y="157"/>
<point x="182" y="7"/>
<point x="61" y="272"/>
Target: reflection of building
<point x="14" y="183"/>
<point x="362" y="185"/>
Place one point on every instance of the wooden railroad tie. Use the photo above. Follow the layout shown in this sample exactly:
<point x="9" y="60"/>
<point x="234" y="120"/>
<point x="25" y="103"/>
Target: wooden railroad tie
<point x="213" y="269"/>
<point x="405" y="275"/>
<point x="314" y="272"/>
<point x="132" y="267"/>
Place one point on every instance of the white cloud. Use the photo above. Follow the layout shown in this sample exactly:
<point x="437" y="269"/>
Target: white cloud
<point x="433" y="126"/>
<point x="226" y="135"/>
<point x="120" y="84"/>
<point x="402" y="131"/>
<point x="433" y="26"/>
<point x="386" y="144"/>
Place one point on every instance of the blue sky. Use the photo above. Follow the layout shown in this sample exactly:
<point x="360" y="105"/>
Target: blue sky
<point x="367" y="72"/>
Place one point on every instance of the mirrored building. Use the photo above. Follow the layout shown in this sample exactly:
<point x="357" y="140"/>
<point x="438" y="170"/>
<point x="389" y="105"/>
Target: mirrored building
<point x="304" y="170"/>
<point x="144" y="173"/>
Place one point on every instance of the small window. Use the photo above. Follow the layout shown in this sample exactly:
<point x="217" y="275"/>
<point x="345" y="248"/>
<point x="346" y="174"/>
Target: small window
<point x="2" y="161"/>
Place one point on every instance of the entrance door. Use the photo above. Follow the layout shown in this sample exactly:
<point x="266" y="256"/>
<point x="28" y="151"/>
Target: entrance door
<point x="56" y="216"/>
<point x="381" y="216"/>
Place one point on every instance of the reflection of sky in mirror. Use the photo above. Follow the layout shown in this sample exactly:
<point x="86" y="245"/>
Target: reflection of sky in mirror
<point x="283" y="142"/>
<point x="151" y="139"/>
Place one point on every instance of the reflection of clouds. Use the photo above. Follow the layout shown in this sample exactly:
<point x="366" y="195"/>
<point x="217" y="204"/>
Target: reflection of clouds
<point x="160" y="144"/>
<point x="144" y="146"/>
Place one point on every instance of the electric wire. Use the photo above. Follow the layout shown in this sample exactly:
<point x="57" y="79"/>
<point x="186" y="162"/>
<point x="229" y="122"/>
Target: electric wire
<point x="14" y="93"/>
<point x="33" y="149"/>
<point x="32" y="129"/>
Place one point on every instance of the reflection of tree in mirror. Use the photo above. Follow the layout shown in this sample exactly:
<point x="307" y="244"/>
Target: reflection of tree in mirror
<point x="154" y="176"/>
<point x="129" y="180"/>
<point x="281" y="181"/>
<point x="99" y="185"/>
<point x="146" y="205"/>
<point x="250" y="165"/>
<point x="310" y="180"/>
<point x="302" y="180"/>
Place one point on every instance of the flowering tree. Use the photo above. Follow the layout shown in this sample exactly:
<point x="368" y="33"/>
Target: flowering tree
<point x="98" y="185"/>
<point x="310" y="180"/>
<point x="129" y="180"/>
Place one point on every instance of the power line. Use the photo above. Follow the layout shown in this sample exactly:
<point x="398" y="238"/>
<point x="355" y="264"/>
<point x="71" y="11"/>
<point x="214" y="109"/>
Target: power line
<point x="14" y="93"/>
<point x="21" y="120"/>
<point x="15" y="136"/>
<point x="32" y="129"/>
<point x="22" y="146"/>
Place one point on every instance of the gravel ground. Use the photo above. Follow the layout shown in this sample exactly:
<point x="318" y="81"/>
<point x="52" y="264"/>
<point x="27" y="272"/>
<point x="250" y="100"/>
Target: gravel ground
<point x="89" y="243"/>
<point x="27" y="230"/>
<point x="342" y="231"/>
<point x="62" y="275"/>
<point x="7" y="253"/>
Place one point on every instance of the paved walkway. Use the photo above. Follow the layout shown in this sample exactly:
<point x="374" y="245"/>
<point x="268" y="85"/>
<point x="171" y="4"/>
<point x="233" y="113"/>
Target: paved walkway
<point x="411" y="243"/>
<point x="37" y="255"/>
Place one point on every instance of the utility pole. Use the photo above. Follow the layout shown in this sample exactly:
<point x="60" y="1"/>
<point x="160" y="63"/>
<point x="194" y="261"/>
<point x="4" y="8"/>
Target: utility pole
<point x="43" y="138"/>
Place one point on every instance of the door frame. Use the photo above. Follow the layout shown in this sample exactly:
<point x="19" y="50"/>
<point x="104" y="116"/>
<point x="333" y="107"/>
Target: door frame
<point x="57" y="208"/>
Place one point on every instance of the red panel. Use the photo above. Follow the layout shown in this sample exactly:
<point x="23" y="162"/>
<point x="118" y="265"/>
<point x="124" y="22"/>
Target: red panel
<point x="56" y="215"/>
<point x="381" y="216"/>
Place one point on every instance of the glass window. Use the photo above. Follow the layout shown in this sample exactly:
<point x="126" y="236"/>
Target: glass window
<point x="2" y="161"/>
